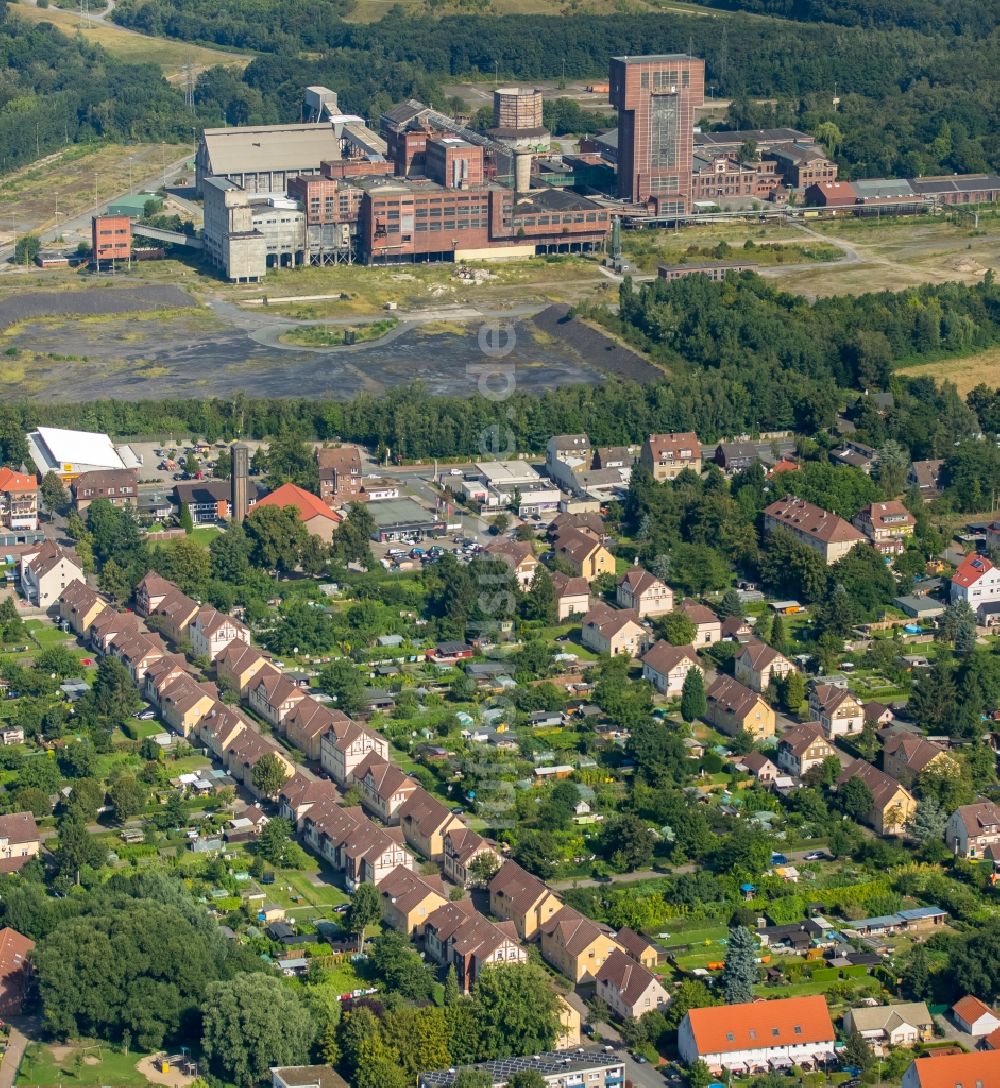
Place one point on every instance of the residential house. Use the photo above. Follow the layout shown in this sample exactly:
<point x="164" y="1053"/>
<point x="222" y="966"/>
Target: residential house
<point x="803" y="747"/>
<point x="854" y="455"/>
<point x="162" y="673"/>
<point x="46" y="572"/>
<point x="971" y="829"/>
<point x="300" y="793"/>
<point x="708" y="626"/>
<point x="408" y="899"/>
<point x="314" y="513"/>
<point x="425" y="822"/>
<point x="572" y="595"/>
<point x="152" y="591"/>
<point x="638" y="947"/>
<point x="586" y="557"/>
<point x="888" y="525"/>
<point x="757" y="664"/>
<point x="456" y="934"/>
<point x="974" y="1016"/>
<point x="925" y="476"/>
<point x="979" y="1069"/>
<point x="575" y="945"/>
<point x="734" y="708"/>
<point x="370" y="853"/>
<point x="220" y="726"/>
<point x="612" y="631"/>
<point x="340" y="478"/>
<point x="120" y="486"/>
<point x="879" y="715"/>
<point x="837" y="710"/>
<point x="595" y="1068"/>
<point x="644" y="593"/>
<point x="520" y="897"/>
<point x="343" y="748"/>
<point x="384" y="787"/>
<point x="79" y="606"/>
<point x="666" y="667"/>
<point x="519" y="556"/>
<point x="184" y="702"/>
<point x="906" y="756"/>
<point x="237" y="665"/>
<point x="18" y="501"/>
<point x="15" y="970"/>
<point x="975" y="581"/>
<point x="241" y="756"/>
<point x="893" y="805"/>
<point x="461" y="848"/>
<point x="450" y="652"/>
<point x="737" y="629"/>
<point x="759" y="767"/>
<point x="109" y="625"/>
<point x="827" y="534"/>
<point x="886" y="1026"/>
<point x="173" y="615"/>
<point x="212" y="631"/>
<point x="307" y="722"/>
<point x="138" y="653"/>
<point x="665" y="456"/>
<point x="592" y="524"/>
<point x="759" y="1037"/>
<point x="19" y="841"/>
<point x="272" y="694"/>
<point x="628" y="988"/>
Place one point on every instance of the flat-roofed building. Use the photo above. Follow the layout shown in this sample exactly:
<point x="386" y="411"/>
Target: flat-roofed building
<point x="262" y="158"/>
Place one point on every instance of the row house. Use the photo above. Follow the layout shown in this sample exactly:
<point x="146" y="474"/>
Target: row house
<point x="520" y="897"/>
<point x="575" y="945"/>
<point x="461" y="848"/>
<point x="825" y="533"/>
<point x="972" y="829"/>
<point x="572" y="595"/>
<point x="307" y="721"/>
<point x="151" y="592"/>
<point x="237" y="665"/>
<point x="384" y="788"/>
<point x="638" y="947"/>
<point x="343" y="748"/>
<point x="272" y="695"/>
<point x="371" y="853"/>
<point x="220" y="726"/>
<point x="138" y="653"/>
<point x="241" y="756"/>
<point x="838" y="711"/>
<point x="425" y="822"/>
<point x="666" y="667"/>
<point x="79" y="606"/>
<point x="174" y="615"/>
<point x="184" y="702"/>
<point x="162" y="673"/>
<point x="758" y="664"/>
<point x="110" y="625"/>
<point x="803" y="747"/>
<point x="629" y="989"/>
<point x="457" y="935"/>
<point x="301" y="793"/>
<point x="212" y="631"/>
<point x="409" y="899"/>
<point x="46" y="572"/>
<point x="644" y="593"/>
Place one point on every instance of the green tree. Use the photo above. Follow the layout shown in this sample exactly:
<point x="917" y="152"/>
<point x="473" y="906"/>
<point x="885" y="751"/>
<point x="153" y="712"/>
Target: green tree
<point x="127" y="797"/>
<point x="185" y="520"/>
<point x="268" y="775"/>
<point x="341" y="680"/>
<point x="540" y="600"/>
<point x="694" y="704"/>
<point x="677" y="628"/>
<point x="857" y="1052"/>
<point x="535" y="851"/>
<point x="516" y="1010"/>
<point x="395" y="963"/>
<point x="472" y="1078"/>
<point x="352" y="543"/>
<point x="627" y="842"/>
<point x="277" y="537"/>
<point x="793" y="691"/>
<point x="730" y="604"/>
<point x="854" y="799"/>
<point x="229" y="555"/>
<point x="27" y="248"/>
<point x="52" y="493"/>
<point x="364" y="911"/>
<point x="115" y="582"/>
<point x="274" y="840"/>
<point x="740" y="972"/>
<point x="250" y="1023"/>
<point x="699" y="1075"/>
<point x="528" y="1078"/>
<point x="778" y="638"/>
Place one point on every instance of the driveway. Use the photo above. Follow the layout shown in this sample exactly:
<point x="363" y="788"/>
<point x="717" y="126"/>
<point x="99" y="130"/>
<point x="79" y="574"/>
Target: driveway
<point x="22" y="1029"/>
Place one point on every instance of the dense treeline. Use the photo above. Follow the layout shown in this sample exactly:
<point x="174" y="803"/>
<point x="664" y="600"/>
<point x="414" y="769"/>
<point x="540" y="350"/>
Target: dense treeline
<point x="57" y="90"/>
<point x="954" y="17"/>
<point x="914" y="101"/>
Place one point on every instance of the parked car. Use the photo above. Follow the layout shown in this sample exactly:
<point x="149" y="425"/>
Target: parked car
<point x="816" y="855"/>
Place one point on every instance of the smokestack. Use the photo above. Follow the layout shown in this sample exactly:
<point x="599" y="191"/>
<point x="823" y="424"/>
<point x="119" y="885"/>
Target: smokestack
<point x="240" y="465"/>
<point x="522" y="171"/>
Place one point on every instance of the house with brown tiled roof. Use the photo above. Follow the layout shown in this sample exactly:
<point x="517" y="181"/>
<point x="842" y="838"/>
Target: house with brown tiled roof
<point x="879" y="714"/>
<point x="138" y="653"/>
<point x="803" y="747"/>
<point x="708" y="626"/>
<point x="638" y="947"/>
<point x="893" y="805"/>
<point x="408" y="899"/>
<point x="425" y="822"/>
<point x="220" y="726"/>
<point x="825" y="533"/>
<point x="572" y="595"/>
<point x="644" y="593"/>
<point x="757" y="664"/>
<point x="370" y="853"/>
<point x="906" y="756"/>
<point x="518" y="555"/>
<point x="837" y="710"/>
<point x="520" y="897"/>
<point x="173" y="615"/>
<point x="972" y="829"/>
<point x="925" y="476"/>
<point x="151" y="591"/>
<point x="120" y="486"/>
<point x="19" y="840"/>
<point x="46" y="571"/>
<point x="575" y="945"/>
<point x="628" y="988"/>
<point x="15" y="970"/>
<point x="666" y="667"/>
<point x="456" y="934"/>
<point x="592" y="524"/>
<point x="888" y="525"/>
<point x="241" y="756"/>
<point x="461" y="848"/>
<point x="343" y="748"/>
<point x="272" y="695"/>
<point x="212" y="631"/>
<point x="162" y="673"/>
<point x="586" y="557"/>
<point x="665" y="456"/>
<point x="735" y="708"/>
<point x="301" y="792"/>
<point x="384" y="787"/>
<point x="184" y="703"/>
<point x="237" y="665"/>
<point x="614" y="631"/>
<point x="79" y="605"/>
<point x="737" y="629"/>
<point x="756" y="764"/>
<point x="307" y="721"/>
<point x="109" y="625"/>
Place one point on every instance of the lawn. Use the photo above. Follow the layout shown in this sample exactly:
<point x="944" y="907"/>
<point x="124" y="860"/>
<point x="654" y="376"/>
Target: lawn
<point x="82" y="1067"/>
<point x="965" y="372"/>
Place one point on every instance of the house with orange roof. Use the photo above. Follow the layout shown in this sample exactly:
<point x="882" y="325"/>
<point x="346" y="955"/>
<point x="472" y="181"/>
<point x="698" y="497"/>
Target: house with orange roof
<point x="980" y="1069"/>
<point x="759" y="1037"/>
<point x="18" y="501"/>
<point x="15" y="970"/>
<point x="313" y="512"/>
<point x="974" y="1016"/>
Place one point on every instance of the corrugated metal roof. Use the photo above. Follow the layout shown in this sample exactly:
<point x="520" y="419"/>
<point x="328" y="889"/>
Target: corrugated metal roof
<point x="269" y="147"/>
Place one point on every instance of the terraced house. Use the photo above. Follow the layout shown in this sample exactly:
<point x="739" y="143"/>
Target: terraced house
<point x="461" y="848"/>
<point x="520" y="897"/>
<point x="575" y="945"/>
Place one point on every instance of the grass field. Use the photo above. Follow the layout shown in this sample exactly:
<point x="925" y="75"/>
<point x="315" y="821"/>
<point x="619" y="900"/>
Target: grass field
<point x="48" y="1066"/>
<point x="130" y="46"/>
<point x="966" y="372"/>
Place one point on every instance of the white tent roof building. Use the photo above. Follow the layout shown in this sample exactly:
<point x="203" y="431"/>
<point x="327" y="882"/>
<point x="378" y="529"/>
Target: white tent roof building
<point x="71" y="453"/>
